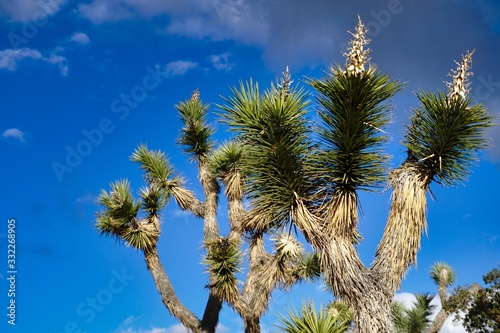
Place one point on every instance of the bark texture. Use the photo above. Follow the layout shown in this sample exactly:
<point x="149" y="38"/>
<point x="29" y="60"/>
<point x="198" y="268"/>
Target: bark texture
<point x="168" y="296"/>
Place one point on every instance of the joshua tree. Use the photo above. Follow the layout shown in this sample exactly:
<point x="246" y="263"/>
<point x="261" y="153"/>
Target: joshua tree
<point x="296" y="175"/>
<point x="137" y="223"/>
<point x="442" y="274"/>
<point x="294" y="179"/>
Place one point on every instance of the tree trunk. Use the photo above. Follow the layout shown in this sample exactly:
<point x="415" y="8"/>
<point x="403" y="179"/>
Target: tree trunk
<point x="252" y="325"/>
<point x="168" y="296"/>
<point x="211" y="314"/>
<point x="400" y="242"/>
<point x="438" y="322"/>
<point x="372" y="313"/>
<point x="210" y="231"/>
<point x="358" y="286"/>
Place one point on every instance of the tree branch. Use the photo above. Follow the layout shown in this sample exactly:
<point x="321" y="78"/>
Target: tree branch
<point x="400" y="242"/>
<point x="167" y="293"/>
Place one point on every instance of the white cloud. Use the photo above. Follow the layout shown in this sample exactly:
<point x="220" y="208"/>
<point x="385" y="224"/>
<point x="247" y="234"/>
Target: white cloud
<point x="406" y="298"/>
<point x="128" y="326"/>
<point x="219" y="19"/>
<point x="179" y="328"/>
<point x="179" y="67"/>
<point x="87" y="198"/>
<point x="221" y="61"/>
<point x="100" y="11"/>
<point x="15" y="134"/>
<point x="10" y="59"/>
<point x="30" y="10"/>
<point x="80" y="38"/>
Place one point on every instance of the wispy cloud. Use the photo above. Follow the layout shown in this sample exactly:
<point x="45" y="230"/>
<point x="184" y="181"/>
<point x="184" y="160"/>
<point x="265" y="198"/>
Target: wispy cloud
<point x="11" y="58"/>
<point x="221" y="61"/>
<point x="87" y="198"/>
<point x="80" y="38"/>
<point x="179" y="67"/>
<point x="101" y="11"/>
<point x="129" y="325"/>
<point x="218" y="19"/>
<point x="14" y="133"/>
<point x="30" y="10"/>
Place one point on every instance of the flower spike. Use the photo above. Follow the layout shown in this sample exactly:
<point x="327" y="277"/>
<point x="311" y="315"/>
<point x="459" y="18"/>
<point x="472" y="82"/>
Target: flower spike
<point x="358" y="56"/>
<point x="459" y="87"/>
<point x="196" y="95"/>
<point x="286" y="82"/>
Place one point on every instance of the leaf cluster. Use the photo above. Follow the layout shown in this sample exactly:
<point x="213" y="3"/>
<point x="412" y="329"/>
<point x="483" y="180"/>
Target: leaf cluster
<point x="354" y="111"/>
<point x="415" y="319"/>
<point x="196" y="134"/>
<point x="223" y="260"/>
<point x="311" y="320"/>
<point x="445" y="134"/>
<point x="273" y="131"/>
<point x="120" y="215"/>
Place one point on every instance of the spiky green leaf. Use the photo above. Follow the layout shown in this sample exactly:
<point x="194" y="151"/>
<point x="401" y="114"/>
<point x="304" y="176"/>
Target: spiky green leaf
<point x="157" y="168"/>
<point x="354" y="112"/>
<point x="273" y="130"/>
<point x="442" y="274"/>
<point x="310" y="320"/>
<point x="223" y="260"/>
<point x="195" y="136"/>
<point x="444" y="135"/>
<point x="120" y="209"/>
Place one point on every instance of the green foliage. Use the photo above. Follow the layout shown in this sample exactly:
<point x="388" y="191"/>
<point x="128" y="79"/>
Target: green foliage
<point x="413" y="320"/>
<point x="354" y="111"/>
<point x="481" y="306"/>
<point x="157" y="169"/>
<point x="196" y="133"/>
<point x="152" y="199"/>
<point x="444" y="135"/>
<point x="142" y="236"/>
<point x="310" y="320"/>
<point x="272" y="129"/>
<point x="309" y="268"/>
<point x="442" y="274"/>
<point x="223" y="260"/>
<point x="226" y="158"/>
<point x="120" y="216"/>
<point x="339" y="310"/>
<point x="120" y="208"/>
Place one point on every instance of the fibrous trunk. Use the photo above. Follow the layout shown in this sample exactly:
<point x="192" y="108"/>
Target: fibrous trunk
<point x="168" y="296"/>
<point x="403" y="232"/>
<point x="357" y="286"/>
<point x="252" y="325"/>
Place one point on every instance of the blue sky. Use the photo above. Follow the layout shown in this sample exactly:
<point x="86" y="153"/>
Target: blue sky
<point x="84" y="82"/>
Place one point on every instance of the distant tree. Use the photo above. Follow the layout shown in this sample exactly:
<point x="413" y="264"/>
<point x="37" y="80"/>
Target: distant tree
<point x="296" y="175"/>
<point x="480" y="307"/>
<point x="444" y="276"/>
